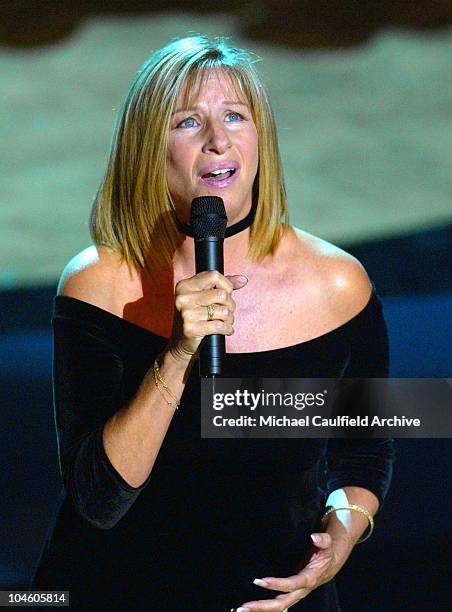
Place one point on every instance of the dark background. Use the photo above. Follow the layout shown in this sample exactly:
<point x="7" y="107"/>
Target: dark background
<point x="304" y="23"/>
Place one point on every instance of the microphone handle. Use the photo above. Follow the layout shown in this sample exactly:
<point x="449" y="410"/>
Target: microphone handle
<point x="209" y="256"/>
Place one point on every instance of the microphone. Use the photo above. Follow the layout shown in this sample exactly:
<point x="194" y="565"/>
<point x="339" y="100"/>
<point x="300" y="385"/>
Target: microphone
<point x="208" y="221"/>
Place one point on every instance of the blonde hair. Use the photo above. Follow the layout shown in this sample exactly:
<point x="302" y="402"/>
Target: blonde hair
<point x="133" y="211"/>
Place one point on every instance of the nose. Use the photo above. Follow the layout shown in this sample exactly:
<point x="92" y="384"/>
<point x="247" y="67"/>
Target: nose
<point x="217" y="139"/>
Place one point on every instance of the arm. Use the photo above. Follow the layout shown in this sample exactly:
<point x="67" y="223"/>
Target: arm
<point x="108" y="448"/>
<point x="358" y="471"/>
<point x="88" y="395"/>
<point x="133" y="436"/>
<point x="347" y="526"/>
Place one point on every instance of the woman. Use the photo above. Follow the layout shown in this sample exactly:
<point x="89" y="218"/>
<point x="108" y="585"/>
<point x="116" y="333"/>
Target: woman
<point x="155" y="517"/>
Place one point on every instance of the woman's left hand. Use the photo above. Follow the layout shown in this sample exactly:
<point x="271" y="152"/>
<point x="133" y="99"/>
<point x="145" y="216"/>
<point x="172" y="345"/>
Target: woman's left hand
<point x="326" y="560"/>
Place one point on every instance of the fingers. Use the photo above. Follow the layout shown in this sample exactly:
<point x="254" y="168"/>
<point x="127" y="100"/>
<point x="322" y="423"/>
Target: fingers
<point x="212" y="296"/>
<point x="194" y="294"/>
<point x="298" y="586"/>
<point x="210" y="279"/>
<point x="321" y="540"/>
<point x="210" y="288"/>
<point x="238" y="280"/>
<point x="195" y="299"/>
<point x="205" y="306"/>
<point x="200" y="329"/>
<point x="304" y="581"/>
<point x="316" y="572"/>
<point x="280" y="603"/>
<point x="193" y="320"/>
<point x="286" y="585"/>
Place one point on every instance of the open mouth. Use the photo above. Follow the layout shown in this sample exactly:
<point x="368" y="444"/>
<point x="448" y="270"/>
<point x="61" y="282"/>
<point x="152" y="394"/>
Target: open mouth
<point x="219" y="175"/>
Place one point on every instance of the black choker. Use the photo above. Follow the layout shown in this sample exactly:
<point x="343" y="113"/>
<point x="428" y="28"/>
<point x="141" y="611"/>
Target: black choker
<point x="230" y="231"/>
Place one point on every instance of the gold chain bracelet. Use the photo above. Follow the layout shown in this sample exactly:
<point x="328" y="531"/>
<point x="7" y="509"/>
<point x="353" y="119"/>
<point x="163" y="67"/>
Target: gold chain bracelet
<point x="358" y="509"/>
<point x="158" y="379"/>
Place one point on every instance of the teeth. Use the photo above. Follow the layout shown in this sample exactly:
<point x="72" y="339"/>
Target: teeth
<point x="222" y="171"/>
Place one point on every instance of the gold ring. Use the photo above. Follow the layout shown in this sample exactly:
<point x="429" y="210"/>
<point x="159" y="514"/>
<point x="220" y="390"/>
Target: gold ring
<point x="210" y="311"/>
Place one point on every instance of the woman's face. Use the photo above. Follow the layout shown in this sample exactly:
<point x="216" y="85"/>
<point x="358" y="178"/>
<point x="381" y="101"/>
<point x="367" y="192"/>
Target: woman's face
<point x="218" y="136"/>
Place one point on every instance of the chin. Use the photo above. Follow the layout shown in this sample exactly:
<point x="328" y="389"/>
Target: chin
<point x="236" y="214"/>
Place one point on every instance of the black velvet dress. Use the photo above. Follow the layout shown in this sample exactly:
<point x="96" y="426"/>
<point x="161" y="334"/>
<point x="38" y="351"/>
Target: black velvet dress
<point x="214" y="513"/>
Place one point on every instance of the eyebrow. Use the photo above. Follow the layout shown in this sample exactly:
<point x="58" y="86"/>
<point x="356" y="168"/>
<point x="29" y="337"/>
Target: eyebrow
<point x="235" y="102"/>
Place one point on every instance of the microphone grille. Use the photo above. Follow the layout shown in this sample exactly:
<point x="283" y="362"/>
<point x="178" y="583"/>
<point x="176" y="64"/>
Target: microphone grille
<point x="208" y="217"/>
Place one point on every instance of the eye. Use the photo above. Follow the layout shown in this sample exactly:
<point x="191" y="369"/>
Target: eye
<point x="184" y="121"/>
<point x="234" y="115"/>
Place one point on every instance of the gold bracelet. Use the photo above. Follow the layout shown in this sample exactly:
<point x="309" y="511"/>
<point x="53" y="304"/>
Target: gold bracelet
<point x="158" y="379"/>
<point x="359" y="509"/>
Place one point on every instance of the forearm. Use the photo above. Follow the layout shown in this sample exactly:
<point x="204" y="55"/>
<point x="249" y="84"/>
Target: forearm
<point x="133" y="436"/>
<point x="347" y="526"/>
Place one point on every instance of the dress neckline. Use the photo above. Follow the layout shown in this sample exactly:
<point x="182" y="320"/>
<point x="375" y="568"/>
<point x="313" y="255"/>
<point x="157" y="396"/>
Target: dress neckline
<point x="96" y="311"/>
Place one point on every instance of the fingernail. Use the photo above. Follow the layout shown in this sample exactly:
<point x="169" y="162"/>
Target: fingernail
<point x="260" y="582"/>
<point x="243" y="277"/>
<point x="243" y="610"/>
<point x="316" y="538"/>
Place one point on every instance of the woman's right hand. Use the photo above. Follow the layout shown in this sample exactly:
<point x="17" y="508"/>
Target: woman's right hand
<point x="192" y="296"/>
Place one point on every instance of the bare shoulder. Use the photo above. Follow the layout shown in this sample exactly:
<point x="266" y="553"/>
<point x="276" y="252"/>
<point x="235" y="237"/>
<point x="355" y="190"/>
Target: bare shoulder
<point x="337" y="278"/>
<point x="94" y="275"/>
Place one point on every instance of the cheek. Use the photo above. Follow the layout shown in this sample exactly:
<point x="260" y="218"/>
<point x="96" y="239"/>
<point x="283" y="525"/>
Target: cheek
<point x="179" y="156"/>
<point x="253" y="152"/>
<point x="253" y="144"/>
<point x="174" y="164"/>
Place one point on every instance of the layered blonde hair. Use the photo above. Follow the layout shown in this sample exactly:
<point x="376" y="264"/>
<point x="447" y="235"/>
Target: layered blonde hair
<point x="133" y="212"/>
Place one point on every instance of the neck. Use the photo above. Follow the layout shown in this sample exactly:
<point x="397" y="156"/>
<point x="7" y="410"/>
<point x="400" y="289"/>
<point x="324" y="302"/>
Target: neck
<point x="235" y="255"/>
<point x="231" y="230"/>
<point x="235" y="245"/>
